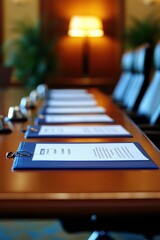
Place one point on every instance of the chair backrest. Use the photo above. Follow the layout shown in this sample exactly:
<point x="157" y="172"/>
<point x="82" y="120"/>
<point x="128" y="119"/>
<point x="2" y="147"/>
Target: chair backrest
<point x="127" y="71"/>
<point x="151" y="98"/>
<point x="140" y="79"/>
<point x="155" y="118"/>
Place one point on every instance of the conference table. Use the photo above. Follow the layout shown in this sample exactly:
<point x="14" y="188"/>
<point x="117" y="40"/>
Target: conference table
<point x="111" y="199"/>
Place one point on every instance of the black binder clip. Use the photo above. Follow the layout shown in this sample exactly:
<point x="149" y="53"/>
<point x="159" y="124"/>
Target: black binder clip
<point x="18" y="153"/>
<point x="10" y="154"/>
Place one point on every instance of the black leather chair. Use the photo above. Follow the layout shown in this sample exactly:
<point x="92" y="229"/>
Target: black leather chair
<point x="154" y="123"/>
<point x="151" y="98"/>
<point x="147" y="116"/>
<point x="126" y="74"/>
<point x="140" y="79"/>
<point x="101" y="226"/>
<point x="152" y="130"/>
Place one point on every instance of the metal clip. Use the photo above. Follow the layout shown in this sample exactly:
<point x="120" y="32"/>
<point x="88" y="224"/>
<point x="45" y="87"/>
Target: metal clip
<point x="10" y="154"/>
<point x="18" y="153"/>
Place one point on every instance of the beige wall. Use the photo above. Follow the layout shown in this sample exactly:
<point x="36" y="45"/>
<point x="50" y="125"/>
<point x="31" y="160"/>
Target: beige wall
<point x="138" y="9"/>
<point x="12" y="12"/>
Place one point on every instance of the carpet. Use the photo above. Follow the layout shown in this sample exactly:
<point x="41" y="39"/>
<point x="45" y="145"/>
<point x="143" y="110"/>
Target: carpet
<point x="36" y="230"/>
<point x="50" y="230"/>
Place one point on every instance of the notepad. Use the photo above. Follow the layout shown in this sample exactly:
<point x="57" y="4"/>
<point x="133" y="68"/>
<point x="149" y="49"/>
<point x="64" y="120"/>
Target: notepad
<point x="71" y="110"/>
<point x="51" y="119"/>
<point x="129" y="155"/>
<point x="76" y="131"/>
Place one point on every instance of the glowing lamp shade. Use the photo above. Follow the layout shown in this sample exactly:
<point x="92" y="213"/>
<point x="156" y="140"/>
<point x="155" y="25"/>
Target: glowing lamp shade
<point x="85" y="26"/>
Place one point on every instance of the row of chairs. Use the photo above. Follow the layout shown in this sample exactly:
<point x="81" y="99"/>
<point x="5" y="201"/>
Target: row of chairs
<point x="138" y="89"/>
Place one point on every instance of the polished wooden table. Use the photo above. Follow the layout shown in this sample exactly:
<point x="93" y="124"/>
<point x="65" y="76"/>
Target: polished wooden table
<point x="102" y="197"/>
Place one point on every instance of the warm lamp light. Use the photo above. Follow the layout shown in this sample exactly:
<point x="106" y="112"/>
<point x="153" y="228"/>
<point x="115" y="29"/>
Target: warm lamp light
<point x="85" y="26"/>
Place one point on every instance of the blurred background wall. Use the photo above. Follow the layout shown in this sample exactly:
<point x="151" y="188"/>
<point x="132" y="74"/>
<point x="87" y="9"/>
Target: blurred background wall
<point x="12" y="11"/>
<point x="105" y="53"/>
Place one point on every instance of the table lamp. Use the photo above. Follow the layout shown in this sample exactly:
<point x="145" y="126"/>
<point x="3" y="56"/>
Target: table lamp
<point x="86" y="27"/>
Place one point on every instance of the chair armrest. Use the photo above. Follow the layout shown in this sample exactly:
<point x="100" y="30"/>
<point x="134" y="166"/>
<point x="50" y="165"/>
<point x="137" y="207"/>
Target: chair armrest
<point x="154" y="136"/>
<point x="148" y="127"/>
<point x="138" y="119"/>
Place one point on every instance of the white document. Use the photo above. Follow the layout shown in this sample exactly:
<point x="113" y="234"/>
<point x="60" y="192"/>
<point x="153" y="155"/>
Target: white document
<point x="114" y="130"/>
<point x="68" y="91"/>
<point x="71" y="110"/>
<point x="77" y="118"/>
<point x="67" y="103"/>
<point x="71" y="96"/>
<point x="87" y="152"/>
